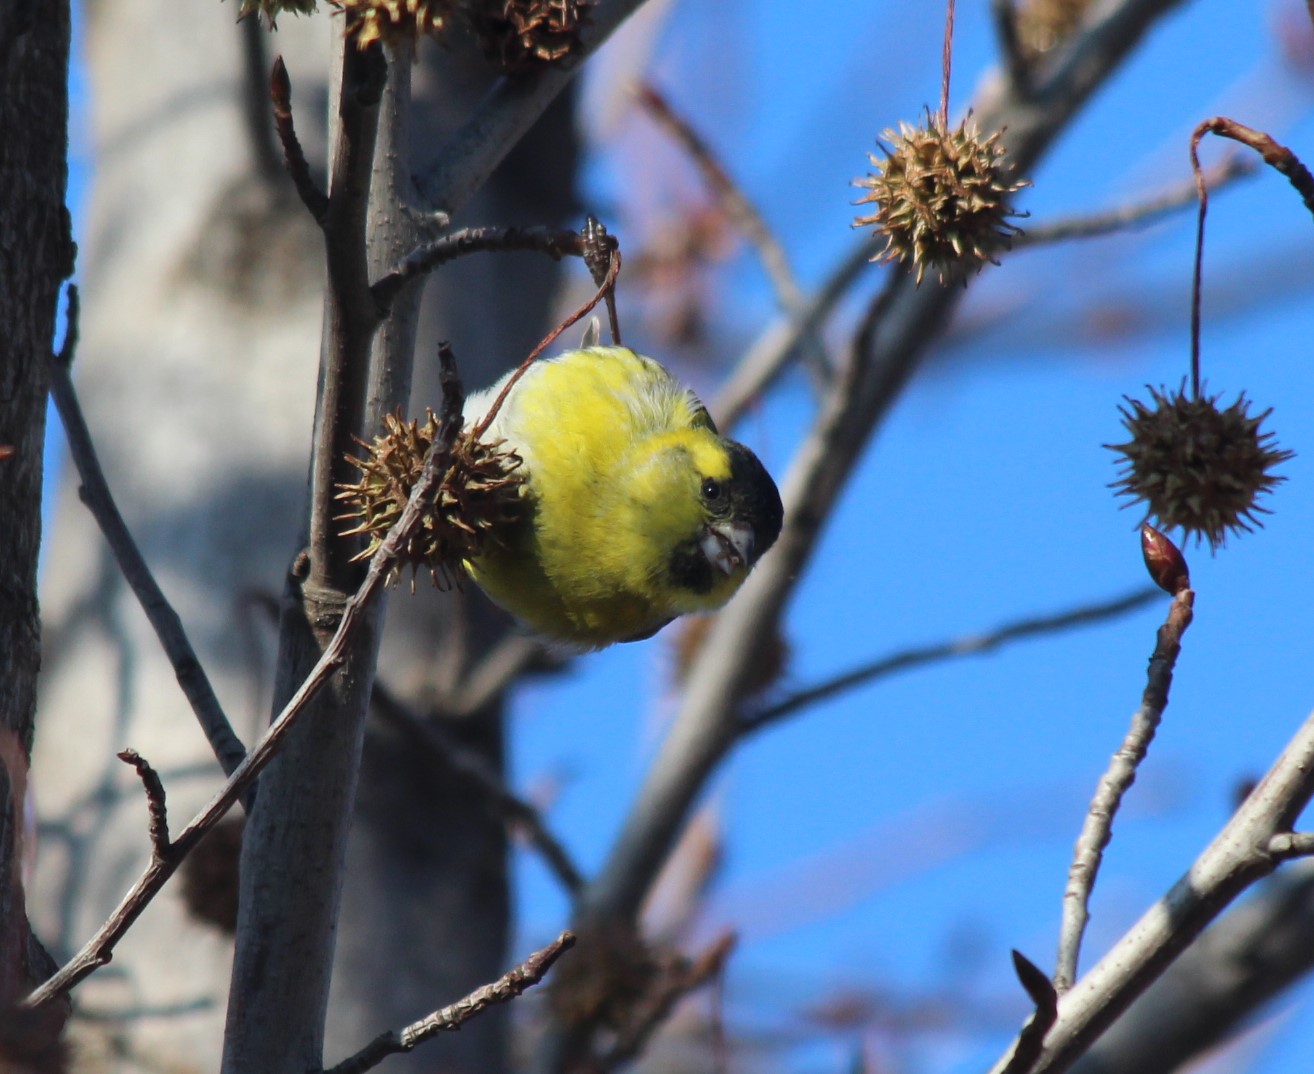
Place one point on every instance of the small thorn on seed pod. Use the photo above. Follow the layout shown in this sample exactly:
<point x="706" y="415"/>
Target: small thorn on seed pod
<point x="1164" y="561"/>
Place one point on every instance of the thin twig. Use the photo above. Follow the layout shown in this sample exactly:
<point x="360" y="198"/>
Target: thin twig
<point x="505" y="988"/>
<point x="1238" y="856"/>
<point x="598" y="247"/>
<point x="1232" y="167"/>
<point x="1114" y="784"/>
<point x="676" y="983"/>
<point x="498" y="669"/>
<point x="294" y="158"/>
<point x="95" y="493"/>
<point x="547" y="341"/>
<point x="556" y="243"/>
<point x="746" y="216"/>
<point x="157" y="810"/>
<point x="98" y="950"/>
<point x="968" y="645"/>
<point x="1275" y="155"/>
<point x="468" y="765"/>
<point x="946" y="64"/>
<point x="774" y="349"/>
<point x="1016" y="64"/>
<point x="255" y="105"/>
<point x="1287" y="846"/>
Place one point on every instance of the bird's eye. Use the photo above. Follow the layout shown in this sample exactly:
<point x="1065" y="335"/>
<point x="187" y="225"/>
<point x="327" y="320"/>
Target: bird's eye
<point x="711" y="488"/>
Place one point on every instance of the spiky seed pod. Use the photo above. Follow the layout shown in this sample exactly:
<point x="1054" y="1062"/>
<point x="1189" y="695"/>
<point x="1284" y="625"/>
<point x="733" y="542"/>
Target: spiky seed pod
<point x="1042" y="24"/>
<point x="269" y="10"/>
<point x="479" y="496"/>
<point x="526" y="34"/>
<point x="392" y="20"/>
<point x="1197" y="468"/>
<point x="942" y="198"/>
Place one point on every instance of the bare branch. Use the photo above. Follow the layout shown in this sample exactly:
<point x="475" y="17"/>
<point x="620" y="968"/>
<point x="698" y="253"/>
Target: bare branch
<point x="158" y="827"/>
<point x="504" y="989"/>
<point x="746" y="216"/>
<point x="1238" y="856"/>
<point x="967" y="645"/>
<point x="1273" y="153"/>
<point x="98" y="950"/>
<point x="1288" y="846"/>
<point x="677" y="982"/>
<point x="95" y="493"/>
<point x="499" y="668"/>
<point x="556" y="243"/>
<point x="294" y="157"/>
<point x="1232" y="167"/>
<point x="468" y="765"/>
<point x="598" y="248"/>
<point x="255" y="102"/>
<point x="1247" y="958"/>
<point x="1015" y="63"/>
<point x="1114" y="784"/>
<point x="772" y="351"/>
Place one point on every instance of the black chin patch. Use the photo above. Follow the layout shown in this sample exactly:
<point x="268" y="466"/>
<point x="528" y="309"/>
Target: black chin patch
<point x="690" y="569"/>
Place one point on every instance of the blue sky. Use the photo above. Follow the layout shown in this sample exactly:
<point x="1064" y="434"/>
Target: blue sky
<point x="912" y="832"/>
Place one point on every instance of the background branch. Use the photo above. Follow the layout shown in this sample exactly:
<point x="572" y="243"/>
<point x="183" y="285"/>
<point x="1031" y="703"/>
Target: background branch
<point x="95" y="493"/>
<point x="506" y="988"/>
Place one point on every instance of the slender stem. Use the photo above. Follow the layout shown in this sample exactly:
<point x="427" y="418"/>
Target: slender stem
<point x="1097" y="829"/>
<point x="947" y="63"/>
<point x="164" y="620"/>
<point x="968" y="645"/>
<point x="507" y="987"/>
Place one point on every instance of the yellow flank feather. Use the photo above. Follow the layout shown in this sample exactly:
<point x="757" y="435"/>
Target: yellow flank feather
<point x="639" y="510"/>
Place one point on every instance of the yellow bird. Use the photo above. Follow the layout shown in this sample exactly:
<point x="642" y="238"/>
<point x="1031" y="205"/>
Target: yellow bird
<point x="638" y="510"/>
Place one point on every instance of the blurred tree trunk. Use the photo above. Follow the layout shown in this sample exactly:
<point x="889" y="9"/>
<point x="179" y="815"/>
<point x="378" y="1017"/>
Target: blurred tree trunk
<point x="202" y="288"/>
<point x="36" y="256"/>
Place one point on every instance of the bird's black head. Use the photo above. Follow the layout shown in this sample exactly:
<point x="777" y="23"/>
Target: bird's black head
<point x="750" y="497"/>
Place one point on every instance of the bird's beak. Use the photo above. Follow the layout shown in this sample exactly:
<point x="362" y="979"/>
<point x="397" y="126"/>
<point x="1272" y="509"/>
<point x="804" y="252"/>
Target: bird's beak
<point x="728" y="547"/>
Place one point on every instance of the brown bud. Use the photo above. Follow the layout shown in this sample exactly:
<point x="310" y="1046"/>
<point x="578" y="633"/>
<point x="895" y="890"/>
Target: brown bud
<point x="1164" y="561"/>
<point x="7" y="451"/>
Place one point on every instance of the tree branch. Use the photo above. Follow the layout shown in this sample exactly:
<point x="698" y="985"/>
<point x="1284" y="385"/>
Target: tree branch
<point x="556" y="243"/>
<point x="294" y="157"/>
<point x="468" y="765"/>
<point x="158" y="827"/>
<point x="1238" y="856"/>
<point x="966" y="645"/>
<point x="1182" y="196"/>
<point x="98" y="950"/>
<point x="95" y="493"/>
<point x="746" y="216"/>
<point x="1114" y="784"/>
<point x="503" y="990"/>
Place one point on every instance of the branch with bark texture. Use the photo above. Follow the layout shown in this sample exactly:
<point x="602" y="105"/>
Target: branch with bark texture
<point x="1249" y="847"/>
<point x="506" y="988"/>
<point x="1116" y="781"/>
